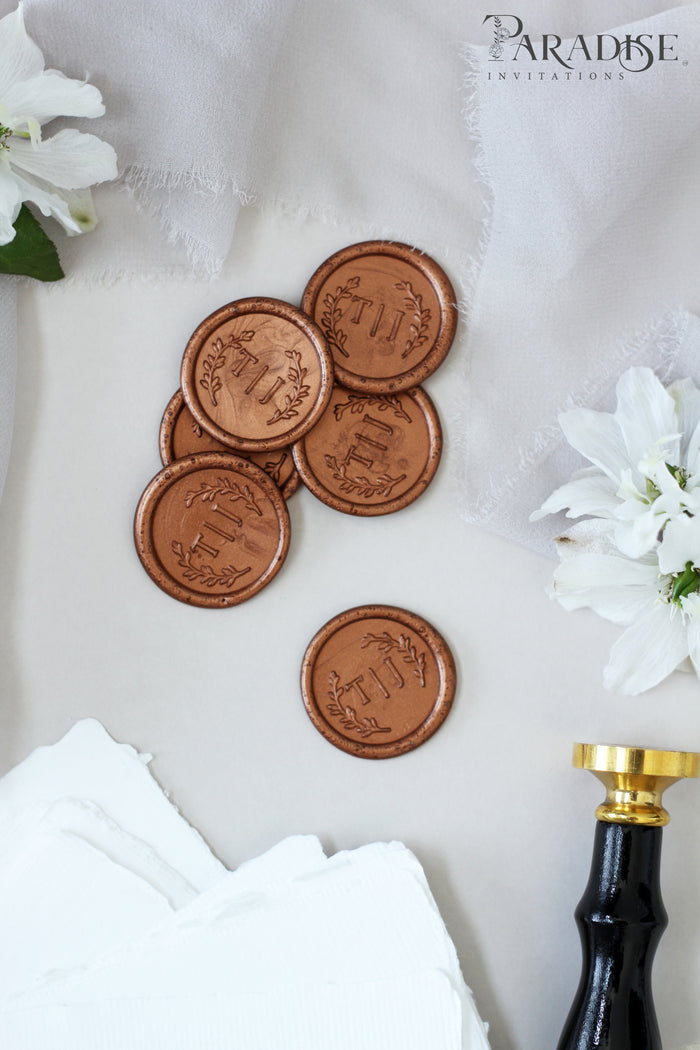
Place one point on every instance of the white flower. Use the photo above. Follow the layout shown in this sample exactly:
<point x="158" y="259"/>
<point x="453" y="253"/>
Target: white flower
<point x="55" y="173"/>
<point x="645" y="456"/>
<point x="636" y="561"/>
<point x="663" y="625"/>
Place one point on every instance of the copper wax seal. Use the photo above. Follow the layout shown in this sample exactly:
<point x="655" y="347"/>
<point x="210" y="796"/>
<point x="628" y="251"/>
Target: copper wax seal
<point x="212" y="530"/>
<point x="388" y="312"/>
<point x="257" y="374"/>
<point x="371" y="453"/>
<point x="181" y="436"/>
<point x="377" y="681"/>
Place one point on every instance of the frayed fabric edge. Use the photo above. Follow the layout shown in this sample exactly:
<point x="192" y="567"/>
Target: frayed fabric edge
<point x="149" y="191"/>
<point x="489" y="509"/>
<point x="665" y="332"/>
<point x="470" y="271"/>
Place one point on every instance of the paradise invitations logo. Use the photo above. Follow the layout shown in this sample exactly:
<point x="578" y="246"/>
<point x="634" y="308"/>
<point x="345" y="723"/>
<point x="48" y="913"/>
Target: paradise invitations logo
<point x="602" y="56"/>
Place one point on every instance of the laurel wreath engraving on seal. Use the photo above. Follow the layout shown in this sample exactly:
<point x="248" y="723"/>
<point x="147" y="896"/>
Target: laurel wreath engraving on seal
<point x="331" y="315"/>
<point x="273" y="468"/>
<point x="360" y="485"/>
<point x="216" y="360"/>
<point x="224" y="487"/>
<point x="403" y="645"/>
<point x="356" y="403"/>
<point x="421" y="317"/>
<point x="347" y="715"/>
<point x="300" y="390"/>
<point x="206" y="574"/>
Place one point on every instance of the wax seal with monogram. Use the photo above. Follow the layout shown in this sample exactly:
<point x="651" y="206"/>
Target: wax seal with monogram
<point x="388" y="312"/>
<point x="371" y="453"/>
<point x="257" y="374"/>
<point x="181" y="436"/>
<point x="212" y="529"/>
<point x="377" y="681"/>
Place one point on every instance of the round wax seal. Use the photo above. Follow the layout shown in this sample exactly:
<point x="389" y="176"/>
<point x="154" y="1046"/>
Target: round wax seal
<point x="181" y="436"/>
<point x="388" y="312"/>
<point x="371" y="453"/>
<point x="212" y="530"/>
<point x="377" y="681"/>
<point x="257" y="374"/>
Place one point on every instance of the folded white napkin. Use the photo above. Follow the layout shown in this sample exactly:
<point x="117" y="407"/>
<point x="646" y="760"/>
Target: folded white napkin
<point x="593" y="234"/>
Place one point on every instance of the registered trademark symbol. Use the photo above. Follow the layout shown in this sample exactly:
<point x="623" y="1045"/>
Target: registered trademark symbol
<point x="685" y="61"/>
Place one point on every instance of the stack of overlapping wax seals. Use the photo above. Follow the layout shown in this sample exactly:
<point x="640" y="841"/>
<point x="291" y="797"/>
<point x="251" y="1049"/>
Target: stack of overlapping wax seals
<point x="329" y="394"/>
<point x="270" y="393"/>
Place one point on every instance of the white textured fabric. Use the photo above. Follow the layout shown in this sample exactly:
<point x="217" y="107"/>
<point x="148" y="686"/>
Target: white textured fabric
<point x="592" y="239"/>
<point x="346" y="112"/>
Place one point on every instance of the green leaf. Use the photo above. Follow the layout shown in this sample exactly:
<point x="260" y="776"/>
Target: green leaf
<point x="31" y="253"/>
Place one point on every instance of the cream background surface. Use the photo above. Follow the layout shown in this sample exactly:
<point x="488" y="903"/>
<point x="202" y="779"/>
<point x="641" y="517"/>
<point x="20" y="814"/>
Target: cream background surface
<point x="500" y="821"/>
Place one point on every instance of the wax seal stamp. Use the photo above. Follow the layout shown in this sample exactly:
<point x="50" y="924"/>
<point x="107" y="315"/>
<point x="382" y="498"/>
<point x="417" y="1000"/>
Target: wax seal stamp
<point x="257" y="374"/>
<point x="388" y="312"/>
<point x="371" y="453"/>
<point x="377" y="681"/>
<point x="181" y="436"/>
<point x="621" y="915"/>
<point x="212" y="530"/>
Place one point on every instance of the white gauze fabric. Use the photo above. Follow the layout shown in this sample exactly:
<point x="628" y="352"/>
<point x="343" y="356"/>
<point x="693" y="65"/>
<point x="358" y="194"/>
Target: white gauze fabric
<point x="593" y="236"/>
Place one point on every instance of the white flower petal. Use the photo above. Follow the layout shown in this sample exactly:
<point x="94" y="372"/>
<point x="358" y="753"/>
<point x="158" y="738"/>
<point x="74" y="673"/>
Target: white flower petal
<point x="680" y="544"/>
<point x="687" y="398"/>
<point x="616" y="588"/>
<point x="665" y="482"/>
<point x="20" y="58"/>
<point x="597" y="436"/>
<point x="690" y="605"/>
<point x="10" y="203"/>
<point x="645" y="413"/>
<point x="648" y="651"/>
<point x="590" y="536"/>
<point x="629" y="490"/>
<point x="49" y="201"/>
<point x="51" y="95"/>
<point x="81" y="208"/>
<point x="693" y="628"/>
<point x="594" y="494"/>
<point x="692" y="456"/>
<point x="70" y="160"/>
<point x="640" y="535"/>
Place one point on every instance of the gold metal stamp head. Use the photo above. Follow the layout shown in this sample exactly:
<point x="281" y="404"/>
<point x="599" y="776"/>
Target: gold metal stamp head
<point x="635" y="779"/>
